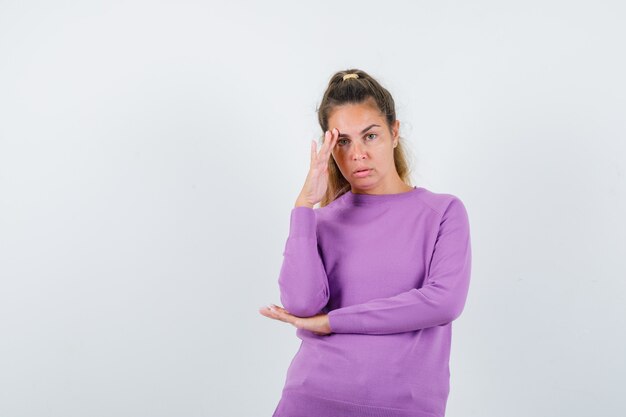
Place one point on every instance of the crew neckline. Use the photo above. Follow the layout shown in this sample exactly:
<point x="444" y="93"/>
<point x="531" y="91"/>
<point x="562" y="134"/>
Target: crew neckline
<point x="379" y="198"/>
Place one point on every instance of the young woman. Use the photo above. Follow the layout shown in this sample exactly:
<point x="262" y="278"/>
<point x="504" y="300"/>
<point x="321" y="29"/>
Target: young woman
<point x="374" y="277"/>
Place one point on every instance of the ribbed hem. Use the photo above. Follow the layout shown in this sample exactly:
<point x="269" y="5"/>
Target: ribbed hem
<point x="303" y="222"/>
<point x="297" y="404"/>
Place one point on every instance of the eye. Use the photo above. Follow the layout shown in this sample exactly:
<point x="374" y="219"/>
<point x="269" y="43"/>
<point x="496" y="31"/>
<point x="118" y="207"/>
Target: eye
<point x="372" y="134"/>
<point x="339" y="142"/>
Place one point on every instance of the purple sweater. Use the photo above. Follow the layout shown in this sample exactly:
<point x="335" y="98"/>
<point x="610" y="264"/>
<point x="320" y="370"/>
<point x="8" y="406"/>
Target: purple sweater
<point x="392" y="272"/>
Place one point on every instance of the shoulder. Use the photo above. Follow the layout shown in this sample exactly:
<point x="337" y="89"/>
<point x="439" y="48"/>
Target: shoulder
<point x="329" y="210"/>
<point x="440" y="202"/>
<point x="321" y="211"/>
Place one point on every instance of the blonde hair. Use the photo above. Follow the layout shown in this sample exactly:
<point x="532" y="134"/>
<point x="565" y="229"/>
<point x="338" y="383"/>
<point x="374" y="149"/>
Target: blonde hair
<point x="356" y="86"/>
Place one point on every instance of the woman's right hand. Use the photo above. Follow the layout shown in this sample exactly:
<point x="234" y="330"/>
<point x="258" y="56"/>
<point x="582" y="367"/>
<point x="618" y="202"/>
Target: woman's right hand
<point x="316" y="181"/>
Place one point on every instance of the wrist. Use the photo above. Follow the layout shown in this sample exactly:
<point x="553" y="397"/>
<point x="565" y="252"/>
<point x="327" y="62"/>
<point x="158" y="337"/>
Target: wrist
<point x="303" y="203"/>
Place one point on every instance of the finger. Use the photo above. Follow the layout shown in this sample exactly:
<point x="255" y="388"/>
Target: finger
<point x="330" y="143"/>
<point x="279" y="309"/>
<point x="265" y="311"/>
<point x="315" y="155"/>
<point x="273" y="313"/>
<point x="312" y="151"/>
<point x="282" y="316"/>
<point x="333" y="137"/>
<point x="327" y="138"/>
<point x="324" y="151"/>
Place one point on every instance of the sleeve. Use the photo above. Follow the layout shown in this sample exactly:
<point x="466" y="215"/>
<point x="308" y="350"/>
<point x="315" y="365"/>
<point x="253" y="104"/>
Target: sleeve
<point x="439" y="301"/>
<point x="303" y="282"/>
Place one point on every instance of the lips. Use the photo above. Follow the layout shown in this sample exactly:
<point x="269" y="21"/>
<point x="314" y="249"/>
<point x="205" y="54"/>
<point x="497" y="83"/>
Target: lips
<point x="362" y="173"/>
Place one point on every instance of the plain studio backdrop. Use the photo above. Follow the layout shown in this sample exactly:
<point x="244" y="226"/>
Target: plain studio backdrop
<point x="151" y="152"/>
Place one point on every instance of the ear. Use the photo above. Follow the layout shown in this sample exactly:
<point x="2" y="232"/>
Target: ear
<point x="396" y="129"/>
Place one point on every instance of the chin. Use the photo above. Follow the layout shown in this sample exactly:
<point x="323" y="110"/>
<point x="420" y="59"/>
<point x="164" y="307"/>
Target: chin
<point x="363" y="185"/>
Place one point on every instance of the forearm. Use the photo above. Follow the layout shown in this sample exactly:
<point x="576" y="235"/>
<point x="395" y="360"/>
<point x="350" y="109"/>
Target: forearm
<point x="302" y="281"/>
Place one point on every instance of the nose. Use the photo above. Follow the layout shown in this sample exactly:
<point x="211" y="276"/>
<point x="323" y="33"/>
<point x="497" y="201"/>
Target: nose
<point x="357" y="152"/>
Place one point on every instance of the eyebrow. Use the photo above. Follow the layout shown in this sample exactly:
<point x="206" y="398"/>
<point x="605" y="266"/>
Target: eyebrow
<point x="345" y="135"/>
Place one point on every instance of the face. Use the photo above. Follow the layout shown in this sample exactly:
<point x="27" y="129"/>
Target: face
<point x="365" y="142"/>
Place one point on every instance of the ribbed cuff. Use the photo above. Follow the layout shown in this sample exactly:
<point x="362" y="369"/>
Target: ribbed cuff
<point x="344" y="322"/>
<point x="303" y="222"/>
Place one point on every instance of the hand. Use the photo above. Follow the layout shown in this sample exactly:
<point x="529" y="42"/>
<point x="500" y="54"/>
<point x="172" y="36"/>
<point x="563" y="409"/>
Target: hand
<point x="318" y="324"/>
<point x="316" y="181"/>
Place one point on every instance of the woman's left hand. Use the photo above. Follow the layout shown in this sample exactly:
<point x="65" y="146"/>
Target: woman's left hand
<point x="317" y="324"/>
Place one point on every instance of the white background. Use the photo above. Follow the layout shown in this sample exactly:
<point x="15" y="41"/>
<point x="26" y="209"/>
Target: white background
<point x="151" y="152"/>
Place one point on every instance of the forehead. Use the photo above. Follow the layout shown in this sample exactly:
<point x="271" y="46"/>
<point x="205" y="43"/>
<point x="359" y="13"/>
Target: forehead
<point x="355" y="116"/>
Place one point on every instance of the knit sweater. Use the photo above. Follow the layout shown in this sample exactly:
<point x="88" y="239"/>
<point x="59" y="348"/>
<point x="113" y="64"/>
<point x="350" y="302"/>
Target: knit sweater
<point x="392" y="272"/>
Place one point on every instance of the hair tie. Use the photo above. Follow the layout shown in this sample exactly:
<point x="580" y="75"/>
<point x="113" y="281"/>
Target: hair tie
<point x="353" y="75"/>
